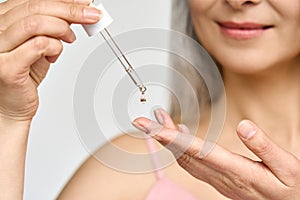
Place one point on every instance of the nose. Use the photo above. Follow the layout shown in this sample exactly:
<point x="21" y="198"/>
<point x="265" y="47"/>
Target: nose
<point x="239" y="4"/>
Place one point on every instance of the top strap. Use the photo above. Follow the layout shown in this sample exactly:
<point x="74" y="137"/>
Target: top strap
<point x="155" y="159"/>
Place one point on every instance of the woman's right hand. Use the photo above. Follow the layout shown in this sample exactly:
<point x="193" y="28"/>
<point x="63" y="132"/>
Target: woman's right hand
<point x="31" y="35"/>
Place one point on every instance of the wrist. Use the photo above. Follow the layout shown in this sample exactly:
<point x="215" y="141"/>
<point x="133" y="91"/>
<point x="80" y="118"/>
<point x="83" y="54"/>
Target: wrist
<point x="9" y="125"/>
<point x="13" y="144"/>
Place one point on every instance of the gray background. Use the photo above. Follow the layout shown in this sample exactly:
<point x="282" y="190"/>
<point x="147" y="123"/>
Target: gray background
<point x="54" y="149"/>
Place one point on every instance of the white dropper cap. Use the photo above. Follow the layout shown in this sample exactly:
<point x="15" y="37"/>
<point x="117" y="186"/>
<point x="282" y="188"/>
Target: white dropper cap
<point x="105" y="21"/>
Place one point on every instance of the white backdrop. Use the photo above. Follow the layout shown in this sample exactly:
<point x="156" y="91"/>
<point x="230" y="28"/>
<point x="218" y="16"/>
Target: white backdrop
<point x="54" y="149"/>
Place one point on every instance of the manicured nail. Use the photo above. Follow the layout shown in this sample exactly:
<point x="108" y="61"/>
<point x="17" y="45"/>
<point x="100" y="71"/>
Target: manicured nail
<point x="140" y="127"/>
<point x="159" y="116"/>
<point x="92" y="13"/>
<point x="246" y="129"/>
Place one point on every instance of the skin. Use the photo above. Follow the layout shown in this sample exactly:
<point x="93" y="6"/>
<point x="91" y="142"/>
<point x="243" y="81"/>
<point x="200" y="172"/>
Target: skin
<point x="266" y="67"/>
<point x="22" y="29"/>
<point x="247" y="163"/>
<point x="255" y="85"/>
<point x="262" y="85"/>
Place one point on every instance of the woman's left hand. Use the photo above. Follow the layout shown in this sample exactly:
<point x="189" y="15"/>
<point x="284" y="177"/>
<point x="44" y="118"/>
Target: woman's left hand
<point x="276" y="176"/>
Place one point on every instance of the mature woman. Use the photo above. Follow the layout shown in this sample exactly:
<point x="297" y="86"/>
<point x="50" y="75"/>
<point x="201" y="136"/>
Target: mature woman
<point x="256" y="44"/>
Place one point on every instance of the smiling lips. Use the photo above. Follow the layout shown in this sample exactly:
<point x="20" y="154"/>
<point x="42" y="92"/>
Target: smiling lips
<point x="243" y="31"/>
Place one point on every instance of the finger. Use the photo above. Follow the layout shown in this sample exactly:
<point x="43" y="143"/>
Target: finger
<point x="180" y="143"/>
<point x="172" y="139"/>
<point x="164" y="118"/>
<point x="148" y="126"/>
<point x="82" y="2"/>
<point x="154" y="129"/>
<point x="169" y="135"/>
<point x="70" y="12"/>
<point x="32" y="26"/>
<point x="283" y="164"/>
<point x="184" y="129"/>
<point x="52" y="59"/>
<point x="7" y="5"/>
<point x="20" y="59"/>
<point x="39" y="70"/>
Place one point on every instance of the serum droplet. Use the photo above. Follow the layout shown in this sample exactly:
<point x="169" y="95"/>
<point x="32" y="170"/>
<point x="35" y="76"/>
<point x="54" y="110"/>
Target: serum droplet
<point x="143" y="89"/>
<point x="143" y="98"/>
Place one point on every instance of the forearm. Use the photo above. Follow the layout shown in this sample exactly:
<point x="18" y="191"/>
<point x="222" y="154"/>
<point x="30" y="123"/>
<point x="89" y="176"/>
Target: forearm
<point x="13" y="143"/>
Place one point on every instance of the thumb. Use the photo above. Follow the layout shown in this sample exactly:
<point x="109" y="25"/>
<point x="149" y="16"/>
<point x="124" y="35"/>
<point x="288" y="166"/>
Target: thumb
<point x="279" y="161"/>
<point x="39" y="70"/>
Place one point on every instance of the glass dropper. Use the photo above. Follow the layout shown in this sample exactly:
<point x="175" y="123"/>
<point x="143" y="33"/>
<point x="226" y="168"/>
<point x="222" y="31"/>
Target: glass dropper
<point x="101" y="27"/>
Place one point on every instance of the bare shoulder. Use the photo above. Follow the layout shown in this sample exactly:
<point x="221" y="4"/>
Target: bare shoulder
<point x="113" y="172"/>
<point x="120" y="170"/>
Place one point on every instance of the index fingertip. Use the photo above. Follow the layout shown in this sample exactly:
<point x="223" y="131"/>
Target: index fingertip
<point x="246" y="129"/>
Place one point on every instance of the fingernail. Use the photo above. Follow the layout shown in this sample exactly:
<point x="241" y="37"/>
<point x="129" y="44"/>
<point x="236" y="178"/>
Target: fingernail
<point x="92" y="13"/>
<point x="52" y="59"/>
<point x="183" y="128"/>
<point x="84" y="2"/>
<point x="159" y="117"/>
<point x="140" y="127"/>
<point x="246" y="129"/>
<point x="72" y="37"/>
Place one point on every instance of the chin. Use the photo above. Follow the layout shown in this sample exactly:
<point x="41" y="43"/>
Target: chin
<point x="244" y="66"/>
<point x="244" y="61"/>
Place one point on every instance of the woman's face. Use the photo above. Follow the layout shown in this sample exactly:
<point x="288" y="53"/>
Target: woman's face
<point x="248" y="36"/>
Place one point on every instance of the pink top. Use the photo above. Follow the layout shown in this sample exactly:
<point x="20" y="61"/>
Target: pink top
<point x="164" y="188"/>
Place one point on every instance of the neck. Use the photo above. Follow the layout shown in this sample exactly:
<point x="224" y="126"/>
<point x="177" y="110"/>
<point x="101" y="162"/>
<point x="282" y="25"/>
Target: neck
<point x="270" y="99"/>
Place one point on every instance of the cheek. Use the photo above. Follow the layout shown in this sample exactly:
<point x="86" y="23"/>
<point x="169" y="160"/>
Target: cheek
<point x="200" y="11"/>
<point x="290" y="8"/>
<point x="200" y="6"/>
<point x="246" y="57"/>
<point x="288" y="12"/>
